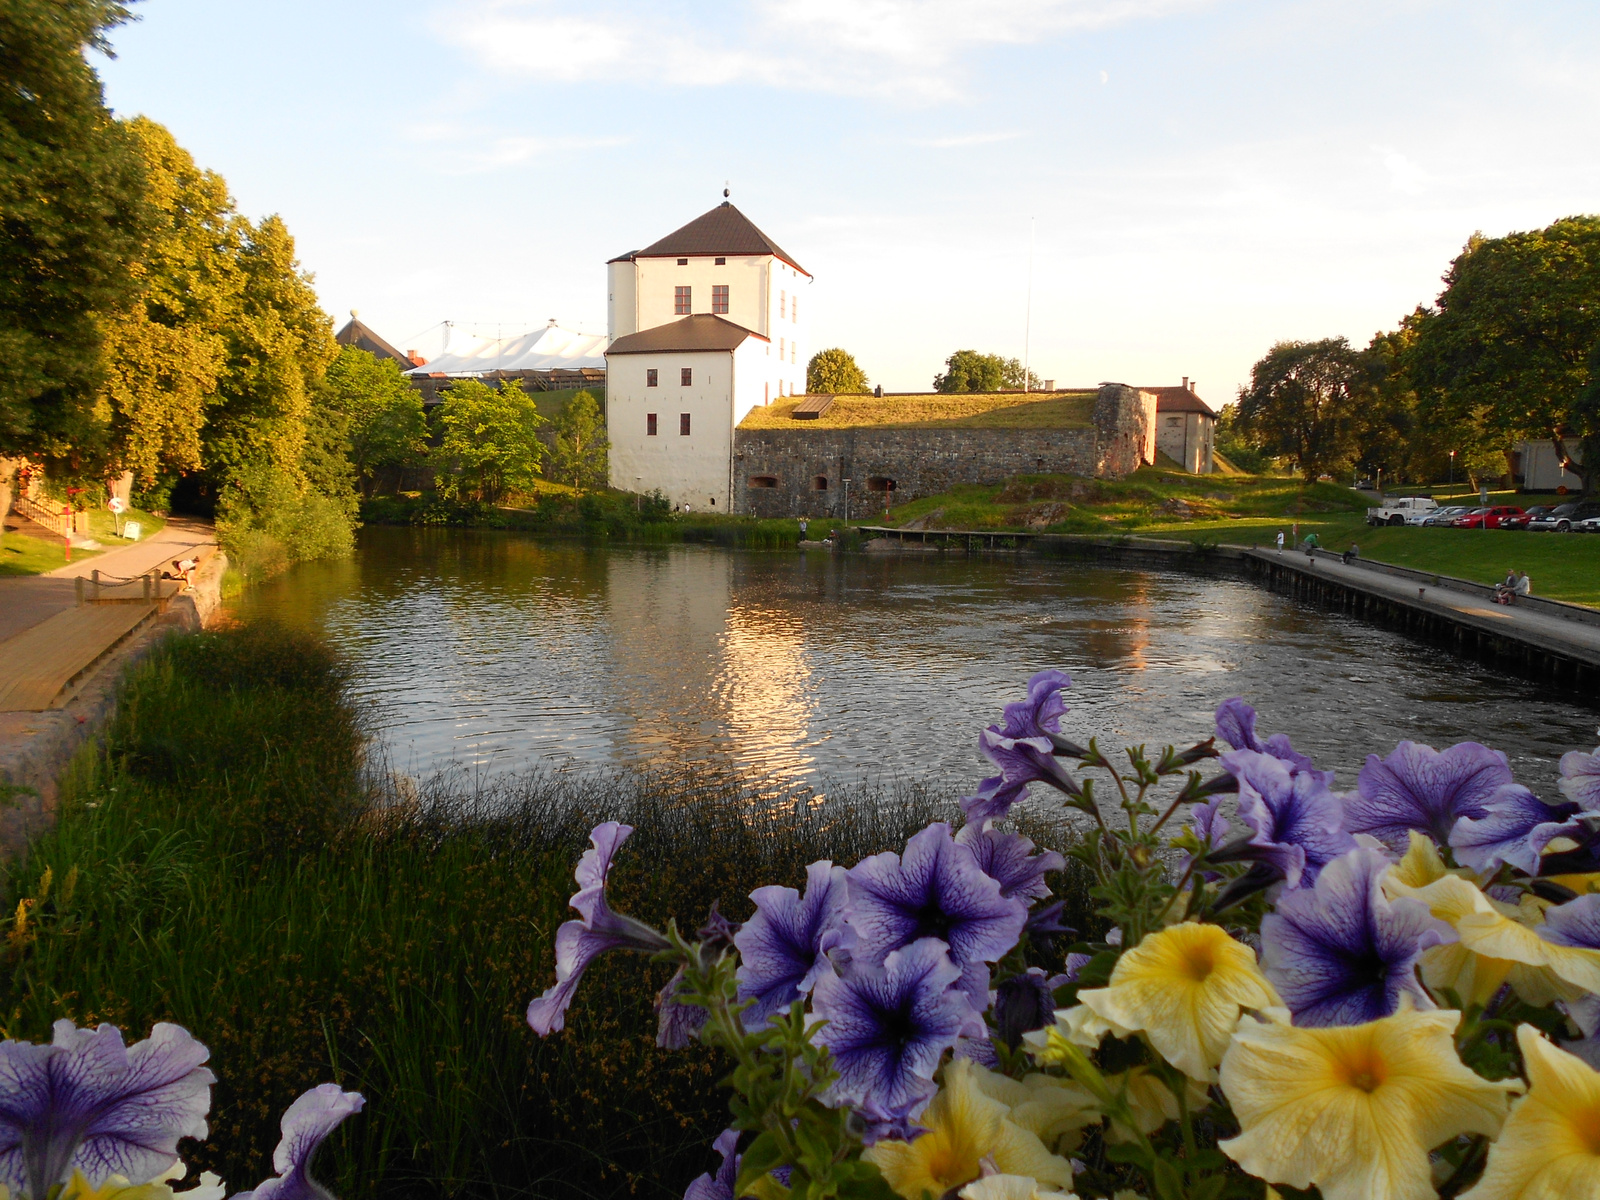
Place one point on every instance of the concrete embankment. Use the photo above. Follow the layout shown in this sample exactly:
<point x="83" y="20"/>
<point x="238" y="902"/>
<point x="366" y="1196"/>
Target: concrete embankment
<point x="1546" y="640"/>
<point x="37" y="743"/>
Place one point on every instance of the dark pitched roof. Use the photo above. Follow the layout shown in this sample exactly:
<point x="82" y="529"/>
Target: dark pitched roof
<point x="358" y="335"/>
<point x="1178" y="399"/>
<point x="699" y="332"/>
<point x="723" y="230"/>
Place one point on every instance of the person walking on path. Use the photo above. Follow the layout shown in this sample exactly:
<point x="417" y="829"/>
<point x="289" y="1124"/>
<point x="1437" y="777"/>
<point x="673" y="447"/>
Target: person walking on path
<point x="1280" y="541"/>
<point x="804" y="525"/>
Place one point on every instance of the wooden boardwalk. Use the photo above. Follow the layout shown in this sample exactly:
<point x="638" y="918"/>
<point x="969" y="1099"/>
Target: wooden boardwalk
<point x="40" y="665"/>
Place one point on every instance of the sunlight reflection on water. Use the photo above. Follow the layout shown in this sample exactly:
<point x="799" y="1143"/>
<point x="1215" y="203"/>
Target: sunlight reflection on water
<point x="495" y="651"/>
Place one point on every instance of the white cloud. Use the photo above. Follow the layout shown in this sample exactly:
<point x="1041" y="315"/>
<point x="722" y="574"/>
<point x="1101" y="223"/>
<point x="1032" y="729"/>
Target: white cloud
<point x="1405" y="176"/>
<point x="909" y="49"/>
<point x="466" y="148"/>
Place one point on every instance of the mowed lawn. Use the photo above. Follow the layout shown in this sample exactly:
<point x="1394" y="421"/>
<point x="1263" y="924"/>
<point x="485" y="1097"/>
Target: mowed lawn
<point x="24" y="555"/>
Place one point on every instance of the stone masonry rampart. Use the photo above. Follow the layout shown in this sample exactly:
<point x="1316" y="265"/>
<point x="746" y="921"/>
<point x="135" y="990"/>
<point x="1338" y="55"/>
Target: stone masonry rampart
<point x="801" y="471"/>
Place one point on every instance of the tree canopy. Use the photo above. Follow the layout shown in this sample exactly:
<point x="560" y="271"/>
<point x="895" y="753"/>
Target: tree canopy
<point x="70" y="214"/>
<point x="1301" y="404"/>
<point x="835" y="372"/>
<point x="1506" y="349"/>
<point x="579" y="448"/>
<point x="384" y="424"/>
<point x="969" y="371"/>
<point x="490" y="442"/>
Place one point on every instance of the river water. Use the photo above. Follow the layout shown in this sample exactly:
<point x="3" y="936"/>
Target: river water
<point x="496" y="652"/>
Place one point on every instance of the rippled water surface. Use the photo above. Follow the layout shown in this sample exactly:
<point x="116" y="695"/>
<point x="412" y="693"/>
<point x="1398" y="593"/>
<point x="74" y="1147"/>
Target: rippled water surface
<point x="494" y="651"/>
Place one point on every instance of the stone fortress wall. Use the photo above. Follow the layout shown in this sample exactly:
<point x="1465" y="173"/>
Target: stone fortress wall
<point x="801" y="471"/>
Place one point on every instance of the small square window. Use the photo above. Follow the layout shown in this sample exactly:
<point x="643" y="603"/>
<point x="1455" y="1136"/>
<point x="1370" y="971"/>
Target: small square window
<point x="794" y="310"/>
<point x="651" y="377"/>
<point x="719" y="298"/>
<point x="722" y="262"/>
<point x="680" y="301"/>
<point x="686" y="377"/>
<point x="683" y="262"/>
<point x="683" y="424"/>
<point x="783" y="304"/>
<point x="650" y="425"/>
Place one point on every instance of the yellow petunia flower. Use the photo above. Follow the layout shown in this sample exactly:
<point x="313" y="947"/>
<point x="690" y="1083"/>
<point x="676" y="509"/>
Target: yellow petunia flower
<point x="118" y="1187"/>
<point x="1550" y="1146"/>
<point x="1355" y="1109"/>
<point x="1183" y="988"/>
<point x="1047" y="1106"/>
<point x="1011" y="1187"/>
<point x="1499" y="943"/>
<point x="1151" y="1101"/>
<point x="964" y="1127"/>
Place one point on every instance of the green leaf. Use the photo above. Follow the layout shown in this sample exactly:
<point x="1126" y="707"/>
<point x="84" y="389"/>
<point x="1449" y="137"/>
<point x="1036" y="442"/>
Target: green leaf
<point x="1168" y="1183"/>
<point x="763" y="1155"/>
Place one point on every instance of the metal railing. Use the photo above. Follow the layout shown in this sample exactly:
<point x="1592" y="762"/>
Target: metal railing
<point x="51" y="516"/>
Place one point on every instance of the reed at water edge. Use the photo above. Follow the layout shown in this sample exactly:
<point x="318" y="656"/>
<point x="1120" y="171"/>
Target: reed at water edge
<point x="228" y="859"/>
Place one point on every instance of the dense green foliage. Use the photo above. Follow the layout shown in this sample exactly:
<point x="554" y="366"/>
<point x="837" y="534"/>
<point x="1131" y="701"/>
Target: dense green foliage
<point x="1301" y="405"/>
<point x="835" y="372"/>
<point x="71" y="206"/>
<point x="969" y="371"/>
<point x="489" y="442"/>
<point x="579" y="447"/>
<point x="384" y="424"/>
<point x="228" y="863"/>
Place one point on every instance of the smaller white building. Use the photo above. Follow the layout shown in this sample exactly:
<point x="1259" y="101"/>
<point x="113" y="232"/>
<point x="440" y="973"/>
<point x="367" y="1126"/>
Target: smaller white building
<point x="1186" y="427"/>
<point x="673" y="397"/>
<point x="1537" y="468"/>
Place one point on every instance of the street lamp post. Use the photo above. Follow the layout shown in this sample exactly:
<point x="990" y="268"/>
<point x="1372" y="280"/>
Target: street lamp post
<point x="1452" y="468"/>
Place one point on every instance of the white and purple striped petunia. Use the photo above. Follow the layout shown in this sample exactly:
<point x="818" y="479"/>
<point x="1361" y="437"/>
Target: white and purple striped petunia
<point x="1008" y="858"/>
<point x="1296" y="823"/>
<point x="1418" y="787"/>
<point x="1236" y="725"/>
<point x="578" y="943"/>
<point x="305" y="1126"/>
<point x="1580" y="778"/>
<point x="85" y="1102"/>
<point x="1341" y="952"/>
<point x="720" y="1185"/>
<point x="783" y="947"/>
<point x="888" y="1026"/>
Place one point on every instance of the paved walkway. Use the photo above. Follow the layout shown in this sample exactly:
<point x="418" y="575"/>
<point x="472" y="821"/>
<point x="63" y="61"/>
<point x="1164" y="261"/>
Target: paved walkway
<point x="1575" y="637"/>
<point x="27" y="600"/>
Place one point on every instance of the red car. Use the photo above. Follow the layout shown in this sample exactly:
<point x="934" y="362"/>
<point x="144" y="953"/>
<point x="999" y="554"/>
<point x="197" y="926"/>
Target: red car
<point x="1486" y="518"/>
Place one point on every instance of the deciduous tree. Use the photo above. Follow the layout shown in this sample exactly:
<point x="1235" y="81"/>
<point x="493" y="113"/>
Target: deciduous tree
<point x="969" y="371"/>
<point x="835" y="371"/>
<point x="579" y="448"/>
<point x="384" y="423"/>
<point x="1506" y="348"/>
<point x="70" y="212"/>
<point x="490" y="442"/>
<point x="1301" y="404"/>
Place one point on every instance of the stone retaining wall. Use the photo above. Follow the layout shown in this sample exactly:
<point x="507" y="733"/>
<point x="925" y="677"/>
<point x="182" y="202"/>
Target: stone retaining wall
<point x="801" y="471"/>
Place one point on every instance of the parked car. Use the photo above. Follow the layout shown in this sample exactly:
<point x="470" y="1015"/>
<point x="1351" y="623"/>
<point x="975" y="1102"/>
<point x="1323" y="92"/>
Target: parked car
<point x="1528" y="514"/>
<point x="1563" y="517"/>
<point x="1587" y="525"/>
<point x="1486" y="518"/>
<point x="1444" y="516"/>
<point x="1401" y="509"/>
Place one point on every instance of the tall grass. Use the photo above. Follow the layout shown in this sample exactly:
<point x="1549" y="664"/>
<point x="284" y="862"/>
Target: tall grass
<point x="226" y="861"/>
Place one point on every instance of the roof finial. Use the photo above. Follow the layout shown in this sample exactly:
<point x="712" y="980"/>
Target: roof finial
<point x="725" y="192"/>
<point x="354" y="313"/>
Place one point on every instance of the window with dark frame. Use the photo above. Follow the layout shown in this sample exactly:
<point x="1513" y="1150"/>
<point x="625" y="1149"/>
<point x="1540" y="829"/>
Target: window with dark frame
<point x="683" y="424"/>
<point x="683" y="262"/>
<point x="686" y="377"/>
<point x="651" y="376"/>
<point x="722" y="262"/>
<point x="719" y="298"/>
<point x="763" y="481"/>
<point x="680" y="301"/>
<point x="650" y="425"/>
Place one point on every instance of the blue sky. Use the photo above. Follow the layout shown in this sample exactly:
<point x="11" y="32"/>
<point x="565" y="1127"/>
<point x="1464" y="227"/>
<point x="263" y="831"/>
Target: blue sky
<point x="1203" y="178"/>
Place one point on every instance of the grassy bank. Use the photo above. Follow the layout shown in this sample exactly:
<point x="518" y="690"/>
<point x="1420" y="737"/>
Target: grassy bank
<point x="24" y="555"/>
<point x="225" y="863"/>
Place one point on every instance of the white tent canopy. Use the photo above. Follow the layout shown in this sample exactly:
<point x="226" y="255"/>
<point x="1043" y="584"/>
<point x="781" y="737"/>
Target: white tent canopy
<point x="547" y="349"/>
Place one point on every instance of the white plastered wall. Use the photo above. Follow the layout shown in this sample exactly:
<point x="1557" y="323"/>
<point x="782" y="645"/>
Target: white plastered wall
<point x="689" y="470"/>
<point x="656" y="281"/>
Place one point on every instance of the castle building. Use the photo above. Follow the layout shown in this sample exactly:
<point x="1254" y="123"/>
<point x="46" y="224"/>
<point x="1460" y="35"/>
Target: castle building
<point x="1186" y="427"/>
<point x="705" y="324"/>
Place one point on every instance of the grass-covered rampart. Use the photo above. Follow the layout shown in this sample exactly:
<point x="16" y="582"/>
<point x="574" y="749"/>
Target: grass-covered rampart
<point x="226" y="862"/>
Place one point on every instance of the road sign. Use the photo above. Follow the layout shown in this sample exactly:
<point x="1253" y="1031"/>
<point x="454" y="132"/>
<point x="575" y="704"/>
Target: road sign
<point x="117" y="504"/>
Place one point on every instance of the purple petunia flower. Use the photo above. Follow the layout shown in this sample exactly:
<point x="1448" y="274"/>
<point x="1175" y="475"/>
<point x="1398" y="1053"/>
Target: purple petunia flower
<point x="1040" y="714"/>
<point x="306" y="1125"/>
<point x="677" y="1022"/>
<point x="578" y="943"/>
<point x="784" y="946"/>
<point x="1580" y="778"/>
<point x="1575" y="923"/>
<point x="1022" y="761"/>
<point x="87" y="1102"/>
<point x="1515" y="828"/>
<point x="1418" y="787"/>
<point x="720" y="1185"/>
<point x="1236" y="725"/>
<point x="1024" y="1003"/>
<point x="935" y="890"/>
<point x="888" y="1026"/>
<point x="1295" y="821"/>
<point x="883" y="1123"/>
<point x="1008" y="858"/>
<point x="1340" y="952"/>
